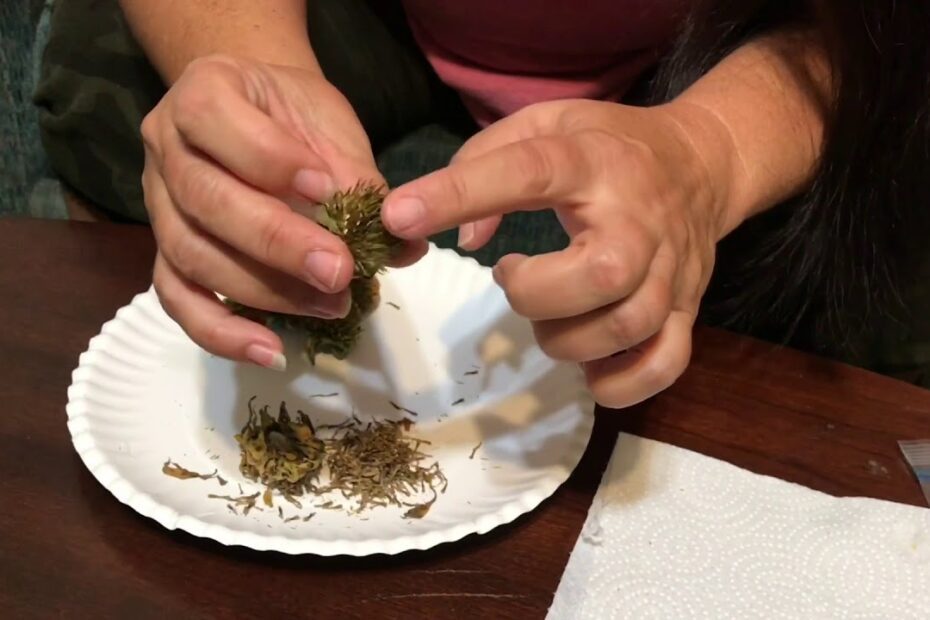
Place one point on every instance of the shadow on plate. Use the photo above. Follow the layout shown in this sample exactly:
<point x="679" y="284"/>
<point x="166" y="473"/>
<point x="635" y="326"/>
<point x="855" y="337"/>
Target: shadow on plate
<point x="491" y="385"/>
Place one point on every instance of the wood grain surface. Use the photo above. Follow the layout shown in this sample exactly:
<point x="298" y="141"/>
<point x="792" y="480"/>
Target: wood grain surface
<point x="69" y="549"/>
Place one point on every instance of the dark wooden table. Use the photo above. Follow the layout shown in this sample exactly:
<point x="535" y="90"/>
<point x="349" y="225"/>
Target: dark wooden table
<point x="69" y="549"/>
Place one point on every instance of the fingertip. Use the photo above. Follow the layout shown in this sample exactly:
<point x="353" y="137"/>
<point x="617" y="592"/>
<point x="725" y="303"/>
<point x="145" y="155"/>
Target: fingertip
<point x="241" y="339"/>
<point x="484" y="230"/>
<point x="330" y="266"/>
<point x="345" y="270"/>
<point x="342" y="304"/>
<point x="630" y="377"/>
<point x="410" y="253"/>
<point x="403" y="215"/>
<point x="474" y="235"/>
<point x="600" y="378"/>
<point x="345" y="273"/>
<point x="466" y="235"/>
<point x="262" y="355"/>
<point x="316" y="185"/>
<point x="504" y="268"/>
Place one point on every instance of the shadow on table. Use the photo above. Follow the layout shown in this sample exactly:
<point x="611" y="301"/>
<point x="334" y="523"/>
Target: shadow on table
<point x="145" y="565"/>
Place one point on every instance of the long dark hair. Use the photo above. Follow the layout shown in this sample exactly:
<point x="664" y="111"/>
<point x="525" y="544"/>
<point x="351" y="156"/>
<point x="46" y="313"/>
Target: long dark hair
<point x="843" y="254"/>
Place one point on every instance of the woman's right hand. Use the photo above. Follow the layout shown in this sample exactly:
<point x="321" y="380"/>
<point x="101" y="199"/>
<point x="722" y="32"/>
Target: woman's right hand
<point x="230" y="151"/>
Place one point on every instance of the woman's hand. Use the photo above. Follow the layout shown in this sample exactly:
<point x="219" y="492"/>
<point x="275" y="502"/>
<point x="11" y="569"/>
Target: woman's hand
<point x="232" y="151"/>
<point x="644" y="211"/>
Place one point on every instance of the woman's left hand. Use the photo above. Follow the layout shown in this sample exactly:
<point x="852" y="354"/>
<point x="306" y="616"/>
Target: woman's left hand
<point x="643" y="205"/>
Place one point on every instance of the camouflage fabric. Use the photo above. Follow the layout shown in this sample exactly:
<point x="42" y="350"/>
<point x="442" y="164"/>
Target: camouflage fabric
<point x="96" y="86"/>
<point x="27" y="186"/>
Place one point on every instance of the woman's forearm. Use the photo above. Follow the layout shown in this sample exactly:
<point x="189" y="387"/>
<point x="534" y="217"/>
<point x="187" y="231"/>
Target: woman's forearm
<point x="175" y="32"/>
<point x="757" y="120"/>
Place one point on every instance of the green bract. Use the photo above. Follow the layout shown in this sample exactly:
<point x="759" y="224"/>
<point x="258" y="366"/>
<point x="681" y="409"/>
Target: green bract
<point x="355" y="216"/>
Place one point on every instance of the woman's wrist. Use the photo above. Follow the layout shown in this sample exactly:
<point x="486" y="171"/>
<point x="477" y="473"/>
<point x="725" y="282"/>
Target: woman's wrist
<point x="712" y="158"/>
<point x="755" y="122"/>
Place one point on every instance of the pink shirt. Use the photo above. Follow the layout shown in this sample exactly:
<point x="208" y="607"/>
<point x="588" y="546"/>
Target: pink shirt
<point x="501" y="55"/>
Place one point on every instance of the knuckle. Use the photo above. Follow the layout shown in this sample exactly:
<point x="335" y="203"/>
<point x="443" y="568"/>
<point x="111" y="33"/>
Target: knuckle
<point x="267" y="145"/>
<point x="603" y="393"/>
<point x="625" y="327"/>
<point x="536" y="109"/>
<point x="457" y="189"/>
<point x="166" y="292"/>
<point x="149" y="130"/>
<point x="272" y="236"/>
<point x="519" y="298"/>
<point x="193" y="104"/>
<point x="609" y="269"/>
<point x="211" y="336"/>
<point x="549" y="341"/>
<point x="656" y="307"/>
<point x="174" y="172"/>
<point x="663" y="370"/>
<point x="467" y="151"/>
<point x="210" y="69"/>
<point x="164" y="225"/>
<point x="534" y="164"/>
<point x="200" y="90"/>
<point x="540" y="117"/>
<point x="198" y="189"/>
<point x="186" y="255"/>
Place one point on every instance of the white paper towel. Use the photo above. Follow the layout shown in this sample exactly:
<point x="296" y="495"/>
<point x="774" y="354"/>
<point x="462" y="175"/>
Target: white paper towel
<point x="676" y="534"/>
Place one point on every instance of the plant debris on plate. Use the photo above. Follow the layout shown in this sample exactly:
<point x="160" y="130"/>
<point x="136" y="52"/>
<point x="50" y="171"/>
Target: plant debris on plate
<point x="170" y="468"/>
<point x="369" y="464"/>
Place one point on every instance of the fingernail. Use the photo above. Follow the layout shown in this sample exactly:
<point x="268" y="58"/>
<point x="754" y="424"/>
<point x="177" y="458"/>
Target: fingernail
<point x="404" y="213"/>
<point x="332" y="308"/>
<point x="466" y="234"/>
<point x="323" y="269"/>
<point x="314" y="184"/>
<point x="496" y="274"/>
<point x="263" y="356"/>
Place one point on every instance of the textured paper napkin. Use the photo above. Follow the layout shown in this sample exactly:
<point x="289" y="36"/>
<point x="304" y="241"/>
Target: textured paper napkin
<point x="675" y="534"/>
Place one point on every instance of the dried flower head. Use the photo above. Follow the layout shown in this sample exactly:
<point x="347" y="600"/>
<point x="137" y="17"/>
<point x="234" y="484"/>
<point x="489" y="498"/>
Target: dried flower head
<point x="369" y="464"/>
<point x="284" y="454"/>
<point x="355" y="216"/>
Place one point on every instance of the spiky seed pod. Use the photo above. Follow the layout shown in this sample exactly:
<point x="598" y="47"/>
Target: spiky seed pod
<point x="355" y="216"/>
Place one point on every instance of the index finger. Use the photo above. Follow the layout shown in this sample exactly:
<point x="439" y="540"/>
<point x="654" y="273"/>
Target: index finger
<point x="254" y="223"/>
<point x="252" y="145"/>
<point x="527" y="175"/>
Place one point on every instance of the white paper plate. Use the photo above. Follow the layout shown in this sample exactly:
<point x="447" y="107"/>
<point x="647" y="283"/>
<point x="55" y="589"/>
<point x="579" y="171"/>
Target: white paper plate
<point x="143" y="393"/>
